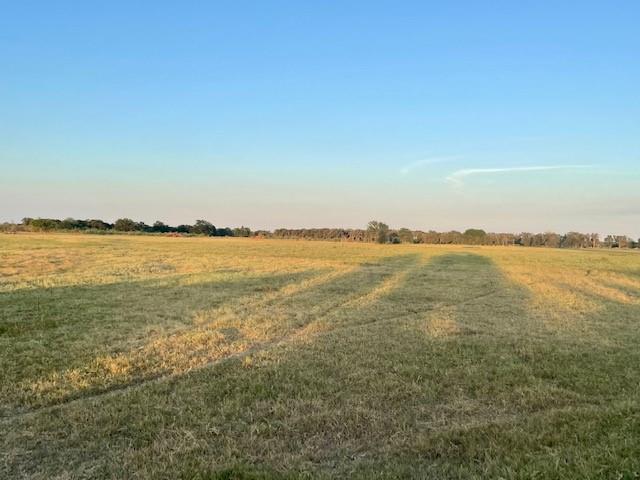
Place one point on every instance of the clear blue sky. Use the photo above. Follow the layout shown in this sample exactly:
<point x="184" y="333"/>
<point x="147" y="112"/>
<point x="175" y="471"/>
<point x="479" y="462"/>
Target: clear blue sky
<point x="440" y="115"/>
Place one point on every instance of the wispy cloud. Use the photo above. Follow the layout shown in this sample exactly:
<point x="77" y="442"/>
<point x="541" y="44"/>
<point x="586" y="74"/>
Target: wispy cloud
<point x="457" y="177"/>
<point x="427" y="161"/>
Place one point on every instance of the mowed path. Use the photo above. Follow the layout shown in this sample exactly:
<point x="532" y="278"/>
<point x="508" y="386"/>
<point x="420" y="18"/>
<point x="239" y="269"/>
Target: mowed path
<point x="369" y="362"/>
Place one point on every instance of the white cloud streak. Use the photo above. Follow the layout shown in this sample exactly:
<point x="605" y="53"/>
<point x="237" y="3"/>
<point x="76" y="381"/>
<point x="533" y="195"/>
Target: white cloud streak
<point x="426" y="161"/>
<point x="457" y="177"/>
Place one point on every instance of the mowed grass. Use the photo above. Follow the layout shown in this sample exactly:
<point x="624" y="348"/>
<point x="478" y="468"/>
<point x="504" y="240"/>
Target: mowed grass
<point x="153" y="357"/>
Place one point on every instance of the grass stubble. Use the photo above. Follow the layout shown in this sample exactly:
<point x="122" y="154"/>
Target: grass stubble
<point x="151" y="357"/>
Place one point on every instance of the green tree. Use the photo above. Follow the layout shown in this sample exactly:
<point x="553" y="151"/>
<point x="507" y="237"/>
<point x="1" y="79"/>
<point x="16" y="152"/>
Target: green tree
<point x="125" y="225"/>
<point x="45" y="224"/>
<point x="161" y="227"/>
<point x="98" y="224"/>
<point x="71" y="224"/>
<point x="474" y="236"/>
<point x="224" y="232"/>
<point x="378" y="231"/>
<point x="242" y="232"/>
<point x="202" y="227"/>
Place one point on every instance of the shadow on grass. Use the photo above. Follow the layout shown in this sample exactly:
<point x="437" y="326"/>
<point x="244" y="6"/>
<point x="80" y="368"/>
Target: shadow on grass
<point x="371" y="392"/>
<point x="46" y="331"/>
<point x="138" y="302"/>
<point x="230" y="317"/>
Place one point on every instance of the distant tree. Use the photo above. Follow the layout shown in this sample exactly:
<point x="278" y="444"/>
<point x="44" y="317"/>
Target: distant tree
<point x="202" y="227"/>
<point x="430" y="237"/>
<point x="143" y="227"/>
<point x="609" y="241"/>
<point x="394" y="238"/>
<point x="9" y="227"/>
<point x="125" y="225"/>
<point x="224" y="232"/>
<point x="72" y="224"/>
<point x="575" y="240"/>
<point x="502" y="239"/>
<point x="525" y="239"/>
<point x="551" y="240"/>
<point x="160" y="227"/>
<point x="98" y="224"/>
<point x="623" y="241"/>
<point x="45" y="224"/>
<point x="405" y="235"/>
<point x="453" y="237"/>
<point x="378" y="231"/>
<point x="262" y="234"/>
<point x="474" y="236"/>
<point x="184" y="228"/>
<point x="241" y="232"/>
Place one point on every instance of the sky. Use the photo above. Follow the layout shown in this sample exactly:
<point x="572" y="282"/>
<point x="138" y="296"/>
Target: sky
<point x="507" y="116"/>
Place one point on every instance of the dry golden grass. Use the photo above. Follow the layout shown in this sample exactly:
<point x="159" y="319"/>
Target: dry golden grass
<point x="155" y="357"/>
<point x="442" y="322"/>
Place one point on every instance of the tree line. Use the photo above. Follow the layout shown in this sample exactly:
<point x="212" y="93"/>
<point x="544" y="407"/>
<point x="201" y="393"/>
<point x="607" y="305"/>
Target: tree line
<point x="375" y="232"/>
<point x="124" y="225"/>
<point x="381" y="233"/>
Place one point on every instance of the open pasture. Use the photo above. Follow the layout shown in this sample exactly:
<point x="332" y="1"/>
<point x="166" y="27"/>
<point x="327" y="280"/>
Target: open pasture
<point x="155" y="357"/>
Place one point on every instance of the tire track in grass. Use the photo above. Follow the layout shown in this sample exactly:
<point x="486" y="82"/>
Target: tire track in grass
<point x="296" y="334"/>
<point x="252" y="302"/>
<point x="282" y="341"/>
<point x="394" y="283"/>
<point x="271" y="300"/>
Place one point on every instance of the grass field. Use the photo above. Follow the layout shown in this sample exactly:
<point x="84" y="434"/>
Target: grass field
<point x="154" y="357"/>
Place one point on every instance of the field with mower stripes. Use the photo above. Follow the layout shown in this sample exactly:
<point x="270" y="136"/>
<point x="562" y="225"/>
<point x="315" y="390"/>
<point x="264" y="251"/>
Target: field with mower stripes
<point x="157" y="357"/>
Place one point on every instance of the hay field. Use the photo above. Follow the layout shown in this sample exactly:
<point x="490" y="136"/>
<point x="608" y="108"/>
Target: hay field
<point x="154" y="357"/>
